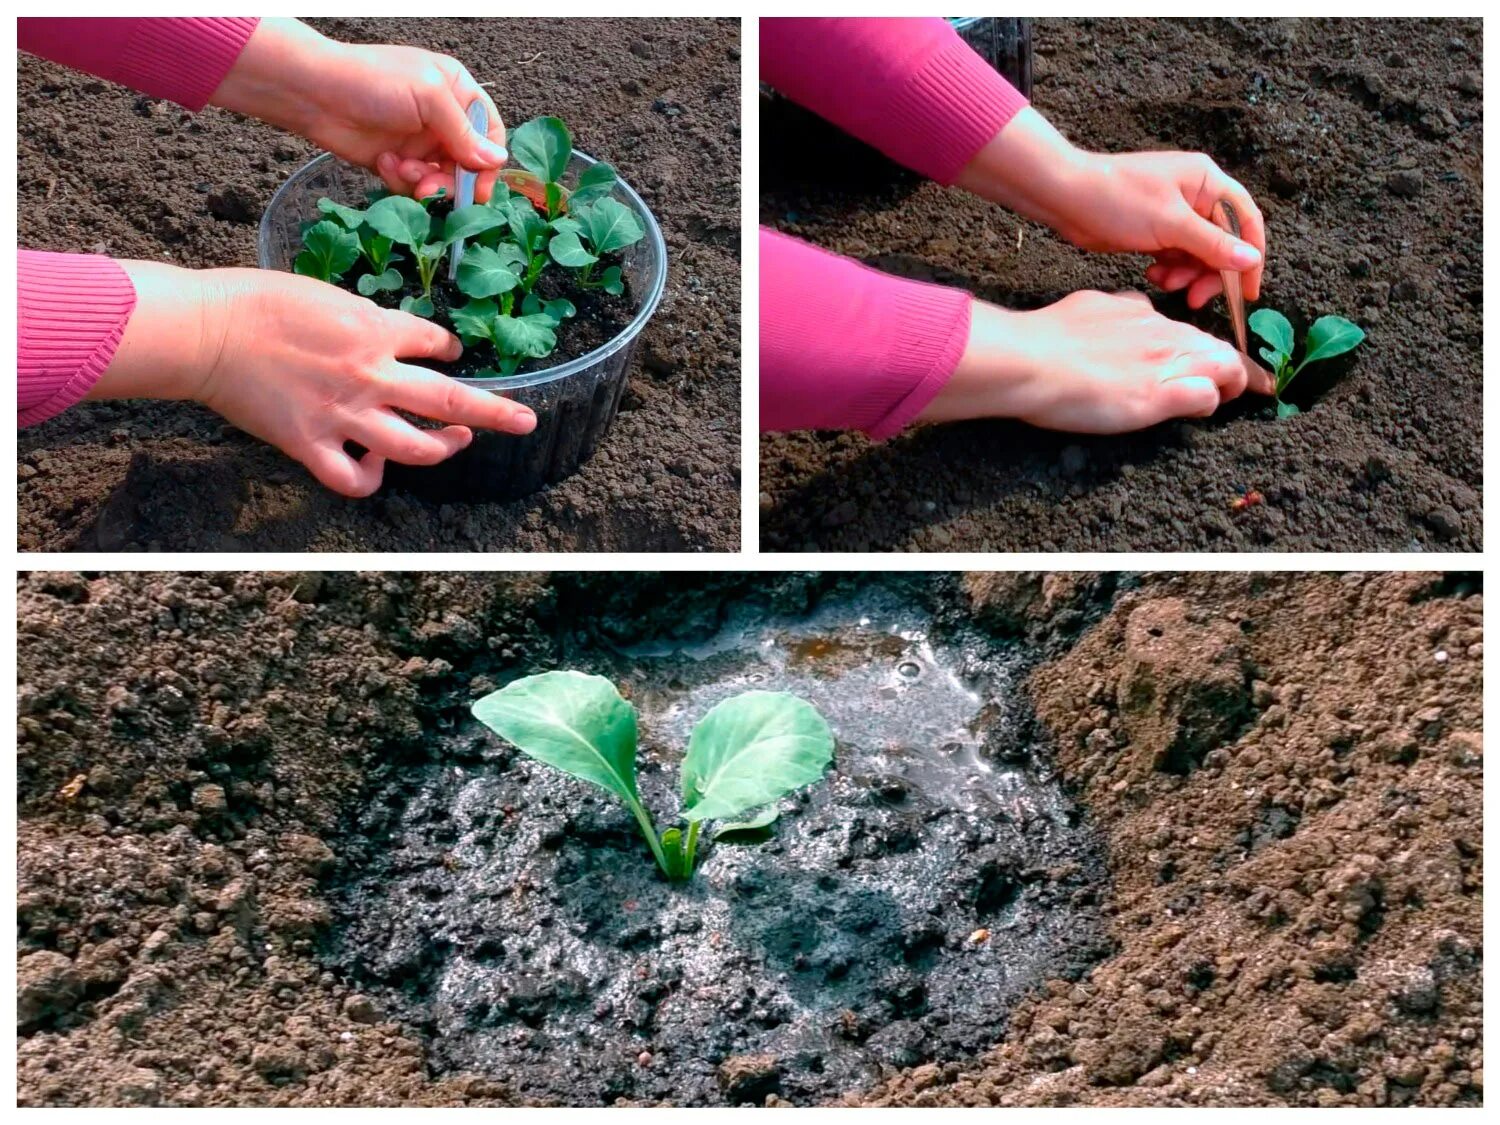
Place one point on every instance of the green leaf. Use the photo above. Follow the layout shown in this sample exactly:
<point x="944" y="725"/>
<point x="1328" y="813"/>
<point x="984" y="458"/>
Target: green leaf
<point x="377" y="250"/>
<point x="751" y="831"/>
<point x="472" y="220"/>
<point x="387" y="282"/>
<point x="671" y="846"/>
<point x="1272" y="356"/>
<point x="472" y="322"/>
<point x="1330" y="336"/>
<point x="553" y="195"/>
<point x="327" y="251"/>
<point x="609" y="225"/>
<point x="566" y="250"/>
<point x="542" y="146"/>
<point x="569" y="720"/>
<point x="417" y="306"/>
<point x="529" y="336"/>
<point x="611" y="281"/>
<point x="557" y="311"/>
<point x="563" y="224"/>
<point x="750" y="750"/>
<point x="528" y="227"/>
<point x="597" y="181"/>
<point x="485" y="273"/>
<point x="349" y="218"/>
<point x="1285" y="409"/>
<point x="401" y="220"/>
<point x="1274" y="329"/>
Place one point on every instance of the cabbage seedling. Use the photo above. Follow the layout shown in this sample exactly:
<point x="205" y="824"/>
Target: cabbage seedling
<point x="327" y="251"/>
<point x="747" y="752"/>
<point x="1328" y="337"/>
<point x="377" y="250"/>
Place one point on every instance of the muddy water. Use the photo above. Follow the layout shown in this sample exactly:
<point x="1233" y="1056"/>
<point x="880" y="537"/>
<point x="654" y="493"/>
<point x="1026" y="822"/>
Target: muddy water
<point x="896" y="913"/>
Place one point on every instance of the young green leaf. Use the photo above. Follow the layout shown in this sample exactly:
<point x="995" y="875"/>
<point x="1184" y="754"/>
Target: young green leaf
<point x="372" y="283"/>
<point x="526" y="225"/>
<point x="597" y="181"/>
<point x="1274" y="329"/>
<point x="530" y="336"/>
<point x="566" y="250"/>
<point x="612" y="282"/>
<point x="349" y="218"/>
<point x="467" y="222"/>
<point x="750" y="750"/>
<point x="542" y="146"/>
<point x="1330" y="336"/>
<point x="609" y="225"/>
<point x="472" y="322"/>
<point x="327" y="251"/>
<point x="417" y="306"/>
<point x="557" y="311"/>
<point x="401" y="220"/>
<point x="553" y="195"/>
<point x="485" y="273"/>
<point x="751" y="831"/>
<point x="1286" y="409"/>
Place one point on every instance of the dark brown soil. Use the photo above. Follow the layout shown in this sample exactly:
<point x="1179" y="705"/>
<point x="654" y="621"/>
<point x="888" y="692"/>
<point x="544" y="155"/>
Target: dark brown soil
<point x="1284" y="774"/>
<point x="658" y="98"/>
<point x="1362" y="142"/>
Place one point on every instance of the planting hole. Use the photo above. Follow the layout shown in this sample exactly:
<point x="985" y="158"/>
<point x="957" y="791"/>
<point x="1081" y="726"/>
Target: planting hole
<point x="898" y="911"/>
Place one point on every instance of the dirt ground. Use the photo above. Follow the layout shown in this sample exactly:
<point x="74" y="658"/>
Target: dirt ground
<point x="104" y="170"/>
<point x="1362" y="142"/>
<point x="1284" y="772"/>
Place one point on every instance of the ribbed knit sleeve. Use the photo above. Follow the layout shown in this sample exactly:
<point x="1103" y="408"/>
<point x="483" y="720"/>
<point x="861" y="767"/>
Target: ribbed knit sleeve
<point x="843" y="346"/>
<point x="72" y="313"/>
<point x="183" y="60"/>
<point x="911" y="87"/>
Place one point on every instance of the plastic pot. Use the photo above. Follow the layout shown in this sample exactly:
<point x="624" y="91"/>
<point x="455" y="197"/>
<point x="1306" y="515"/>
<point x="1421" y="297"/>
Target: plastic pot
<point x="575" y="402"/>
<point x="1002" y="41"/>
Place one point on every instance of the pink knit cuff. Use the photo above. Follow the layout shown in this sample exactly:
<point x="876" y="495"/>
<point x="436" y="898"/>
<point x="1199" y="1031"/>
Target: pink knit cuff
<point x="185" y="59"/>
<point x="931" y="323"/>
<point x="72" y="312"/>
<point x="949" y="110"/>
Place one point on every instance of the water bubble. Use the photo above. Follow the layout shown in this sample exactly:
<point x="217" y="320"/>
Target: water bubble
<point x="909" y="669"/>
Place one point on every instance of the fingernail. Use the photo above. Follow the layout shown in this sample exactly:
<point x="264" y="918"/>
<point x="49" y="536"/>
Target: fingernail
<point x="525" y="419"/>
<point x="1244" y="256"/>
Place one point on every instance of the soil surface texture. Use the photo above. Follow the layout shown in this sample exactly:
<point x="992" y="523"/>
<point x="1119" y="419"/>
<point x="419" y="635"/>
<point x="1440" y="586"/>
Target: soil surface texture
<point x="1275" y="785"/>
<point x="1360" y="139"/>
<point x="658" y="98"/>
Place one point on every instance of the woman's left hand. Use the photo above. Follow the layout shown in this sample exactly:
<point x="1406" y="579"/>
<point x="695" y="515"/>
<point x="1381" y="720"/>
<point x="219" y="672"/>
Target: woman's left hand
<point x="399" y="111"/>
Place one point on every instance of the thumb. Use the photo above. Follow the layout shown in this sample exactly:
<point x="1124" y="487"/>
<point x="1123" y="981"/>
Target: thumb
<point x="450" y="121"/>
<point x="1190" y="397"/>
<point x="1215" y="248"/>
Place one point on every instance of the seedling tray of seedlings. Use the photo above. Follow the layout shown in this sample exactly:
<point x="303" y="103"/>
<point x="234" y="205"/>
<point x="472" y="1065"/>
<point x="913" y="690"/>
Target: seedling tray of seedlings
<point x="561" y="271"/>
<point x="918" y="872"/>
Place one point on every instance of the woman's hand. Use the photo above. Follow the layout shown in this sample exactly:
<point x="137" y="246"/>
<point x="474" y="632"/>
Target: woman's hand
<point x="1154" y="203"/>
<point x="1093" y="363"/>
<point x="399" y="111"/>
<point x="302" y="365"/>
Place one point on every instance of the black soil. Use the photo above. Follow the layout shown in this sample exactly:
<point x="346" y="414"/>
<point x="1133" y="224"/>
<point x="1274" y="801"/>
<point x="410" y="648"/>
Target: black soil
<point x="1360" y="139"/>
<point x="515" y="916"/>
<point x="657" y="98"/>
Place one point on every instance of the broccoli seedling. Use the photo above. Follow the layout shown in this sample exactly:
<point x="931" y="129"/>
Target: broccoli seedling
<point x="327" y="251"/>
<point x="1328" y="337"/>
<point x="543" y="147"/>
<point x="377" y="250"/>
<point x="589" y="232"/>
<point x="531" y="335"/>
<point x="747" y="752"/>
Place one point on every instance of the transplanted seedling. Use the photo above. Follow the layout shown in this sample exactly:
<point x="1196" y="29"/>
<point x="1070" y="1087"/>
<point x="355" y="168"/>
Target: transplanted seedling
<point x="746" y="753"/>
<point x="1328" y="337"/>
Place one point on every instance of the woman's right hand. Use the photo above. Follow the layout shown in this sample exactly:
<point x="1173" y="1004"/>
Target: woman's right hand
<point x="1092" y="363"/>
<point x="303" y="365"/>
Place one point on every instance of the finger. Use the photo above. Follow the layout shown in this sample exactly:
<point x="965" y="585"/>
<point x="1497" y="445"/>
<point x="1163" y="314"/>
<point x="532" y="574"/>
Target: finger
<point x="435" y="181"/>
<point x="1204" y="240"/>
<point x="484" y="186"/>
<point x="336" y="470"/>
<point x="471" y="89"/>
<point x="388" y="168"/>
<point x="1252" y="230"/>
<point x="1135" y="295"/>
<point x="1213" y="359"/>
<point x="1192" y="397"/>
<point x="1257" y="378"/>
<point x="396" y="439"/>
<point x="1204" y="289"/>
<point x="412" y="337"/>
<point x="436" y="396"/>
<point x="446" y="115"/>
<point x="1180" y="277"/>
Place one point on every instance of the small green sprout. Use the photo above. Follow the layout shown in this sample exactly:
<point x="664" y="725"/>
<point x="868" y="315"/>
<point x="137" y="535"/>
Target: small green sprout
<point x="328" y="250"/>
<point x="1328" y="337"/>
<point x="746" y="753"/>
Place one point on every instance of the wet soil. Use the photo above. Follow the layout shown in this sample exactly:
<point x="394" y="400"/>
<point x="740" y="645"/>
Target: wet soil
<point x="1360" y="139"/>
<point x="1282" y="773"/>
<point x="657" y="97"/>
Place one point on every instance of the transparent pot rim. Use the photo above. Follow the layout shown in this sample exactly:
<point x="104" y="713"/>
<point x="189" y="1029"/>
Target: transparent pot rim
<point x="548" y="374"/>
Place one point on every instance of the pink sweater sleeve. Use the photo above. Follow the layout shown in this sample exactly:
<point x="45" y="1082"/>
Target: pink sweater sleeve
<point x="910" y="87"/>
<point x="843" y="346"/>
<point x="72" y="312"/>
<point x="183" y="60"/>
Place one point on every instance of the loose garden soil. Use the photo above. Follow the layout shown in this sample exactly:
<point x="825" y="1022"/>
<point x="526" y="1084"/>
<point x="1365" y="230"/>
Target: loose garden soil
<point x="105" y="170"/>
<point x="1362" y="142"/>
<point x="1224" y="832"/>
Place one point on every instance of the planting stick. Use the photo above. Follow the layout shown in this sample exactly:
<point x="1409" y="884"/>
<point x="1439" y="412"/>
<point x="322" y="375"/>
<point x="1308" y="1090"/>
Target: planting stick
<point x="479" y="120"/>
<point x="1234" y="291"/>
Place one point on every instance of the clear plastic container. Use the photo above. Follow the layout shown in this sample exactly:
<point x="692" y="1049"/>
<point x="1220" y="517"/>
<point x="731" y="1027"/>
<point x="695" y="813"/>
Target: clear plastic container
<point x="575" y="402"/>
<point x="1002" y="41"/>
